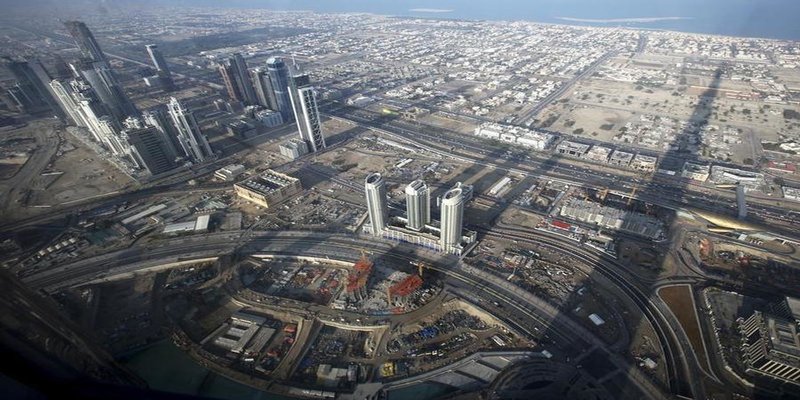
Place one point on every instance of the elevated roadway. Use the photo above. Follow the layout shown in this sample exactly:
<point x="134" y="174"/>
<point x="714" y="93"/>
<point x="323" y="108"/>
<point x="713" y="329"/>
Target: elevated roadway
<point x="530" y="311"/>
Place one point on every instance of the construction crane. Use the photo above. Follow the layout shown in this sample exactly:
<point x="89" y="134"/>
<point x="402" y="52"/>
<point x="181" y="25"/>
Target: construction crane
<point x="602" y="194"/>
<point x="420" y="266"/>
<point x="633" y="193"/>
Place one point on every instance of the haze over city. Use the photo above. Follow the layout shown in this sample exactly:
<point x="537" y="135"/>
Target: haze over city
<point x="562" y="199"/>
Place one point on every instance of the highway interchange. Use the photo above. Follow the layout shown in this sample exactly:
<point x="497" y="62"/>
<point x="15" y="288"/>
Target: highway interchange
<point x="523" y="311"/>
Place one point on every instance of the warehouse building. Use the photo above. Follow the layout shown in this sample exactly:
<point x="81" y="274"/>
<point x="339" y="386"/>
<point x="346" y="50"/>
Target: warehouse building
<point x="268" y="189"/>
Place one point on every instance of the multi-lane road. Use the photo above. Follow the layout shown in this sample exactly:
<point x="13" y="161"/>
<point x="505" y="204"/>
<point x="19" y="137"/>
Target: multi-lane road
<point x="526" y="312"/>
<point x="668" y="192"/>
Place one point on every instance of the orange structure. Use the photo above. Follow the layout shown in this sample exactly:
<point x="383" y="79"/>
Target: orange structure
<point x="406" y="286"/>
<point x="357" y="279"/>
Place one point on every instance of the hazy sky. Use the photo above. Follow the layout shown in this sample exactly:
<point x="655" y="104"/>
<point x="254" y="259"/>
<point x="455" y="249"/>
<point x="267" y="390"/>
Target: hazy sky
<point x="767" y="18"/>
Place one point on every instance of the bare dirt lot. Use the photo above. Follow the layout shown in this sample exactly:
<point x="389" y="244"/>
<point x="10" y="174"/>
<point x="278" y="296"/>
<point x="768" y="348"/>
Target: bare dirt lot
<point x="679" y="299"/>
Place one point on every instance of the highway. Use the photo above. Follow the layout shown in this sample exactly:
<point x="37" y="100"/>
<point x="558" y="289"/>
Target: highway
<point x="532" y="313"/>
<point x="661" y="191"/>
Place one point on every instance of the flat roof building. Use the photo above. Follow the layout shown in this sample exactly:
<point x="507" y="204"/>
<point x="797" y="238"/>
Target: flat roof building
<point x="293" y="149"/>
<point x="268" y="189"/>
<point x="697" y="172"/>
<point x="573" y="149"/>
<point x="229" y="173"/>
<point x="620" y="158"/>
<point x="598" y="153"/>
<point x="513" y="134"/>
<point x="771" y="347"/>
<point x="644" y="163"/>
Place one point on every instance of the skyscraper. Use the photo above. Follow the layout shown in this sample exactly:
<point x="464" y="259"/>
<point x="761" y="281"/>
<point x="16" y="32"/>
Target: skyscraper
<point x="85" y="41"/>
<point x="279" y="76"/>
<point x="149" y="150"/>
<point x="161" y="67"/>
<point x="418" y="205"/>
<point x="304" y="107"/>
<point x="375" y="190"/>
<point x="108" y="90"/>
<point x="192" y="141"/>
<point x="95" y="69"/>
<point x="228" y="79"/>
<point x="33" y="85"/>
<point x="158" y="119"/>
<point x="452" y="223"/>
<point x="263" y="86"/>
<point x="242" y="77"/>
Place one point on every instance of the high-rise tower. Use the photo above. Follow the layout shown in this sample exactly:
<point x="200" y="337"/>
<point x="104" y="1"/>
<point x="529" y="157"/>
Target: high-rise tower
<point x="418" y="205"/>
<point x="161" y="67"/>
<point x="264" y="91"/>
<point x="242" y="77"/>
<point x="306" y="114"/>
<point x="375" y="190"/>
<point x="279" y="76"/>
<point x="452" y="223"/>
<point x="149" y="150"/>
<point x="108" y="90"/>
<point x="85" y="41"/>
<point x="192" y="141"/>
<point x="229" y="80"/>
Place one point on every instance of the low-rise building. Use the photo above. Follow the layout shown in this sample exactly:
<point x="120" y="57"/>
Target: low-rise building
<point x="268" y="189"/>
<point x="598" y="153"/>
<point x="729" y="176"/>
<point x="229" y="173"/>
<point x="790" y="193"/>
<point x="269" y="118"/>
<point x="513" y="134"/>
<point x="697" y="172"/>
<point x="644" y="163"/>
<point x="573" y="149"/>
<point x="613" y="218"/>
<point x="198" y="225"/>
<point x="620" y="158"/>
<point x="293" y="149"/>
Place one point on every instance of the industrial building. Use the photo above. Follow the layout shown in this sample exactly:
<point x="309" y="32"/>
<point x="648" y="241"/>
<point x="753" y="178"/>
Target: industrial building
<point x="790" y="193"/>
<point x="500" y="186"/>
<point x="731" y="176"/>
<point x="246" y="334"/>
<point x="771" y="347"/>
<point x="268" y="189"/>
<point x="229" y="173"/>
<point x="198" y="225"/>
<point x="613" y="218"/>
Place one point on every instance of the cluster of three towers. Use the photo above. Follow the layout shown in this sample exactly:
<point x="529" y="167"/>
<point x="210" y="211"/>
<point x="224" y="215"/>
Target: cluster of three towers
<point x="418" y="211"/>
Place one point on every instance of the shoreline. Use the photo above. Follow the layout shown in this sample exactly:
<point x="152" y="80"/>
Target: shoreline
<point x="444" y="17"/>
